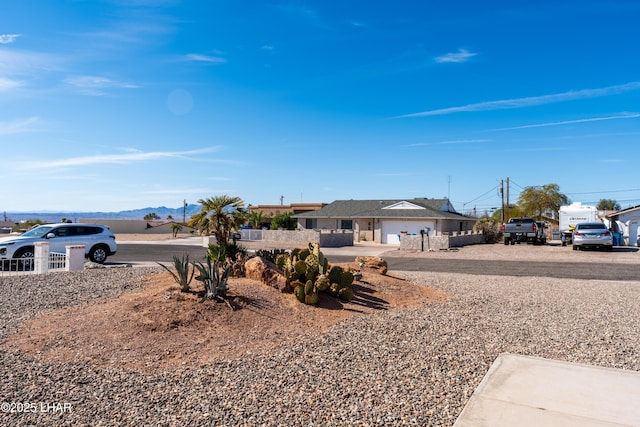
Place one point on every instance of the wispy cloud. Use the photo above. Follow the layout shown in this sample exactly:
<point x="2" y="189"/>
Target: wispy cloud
<point x="205" y="58"/>
<point x="570" y="122"/>
<point x="8" y="38"/>
<point x="19" y="126"/>
<point x="7" y="84"/>
<point x="129" y="157"/>
<point x="96" y="85"/>
<point x="529" y="101"/>
<point x="305" y="15"/>
<point x="452" y="142"/>
<point x="462" y="55"/>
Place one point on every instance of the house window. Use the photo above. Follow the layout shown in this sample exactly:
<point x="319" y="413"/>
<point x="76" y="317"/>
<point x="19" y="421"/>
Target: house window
<point x="310" y="223"/>
<point x="346" y="224"/>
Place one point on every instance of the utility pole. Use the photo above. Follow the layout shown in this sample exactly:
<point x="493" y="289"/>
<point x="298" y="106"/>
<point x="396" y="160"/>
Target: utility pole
<point x="502" y="196"/>
<point x="184" y="211"/>
<point x="507" y="198"/>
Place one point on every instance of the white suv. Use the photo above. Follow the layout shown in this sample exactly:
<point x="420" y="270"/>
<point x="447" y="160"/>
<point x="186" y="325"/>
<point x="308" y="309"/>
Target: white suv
<point x="98" y="240"/>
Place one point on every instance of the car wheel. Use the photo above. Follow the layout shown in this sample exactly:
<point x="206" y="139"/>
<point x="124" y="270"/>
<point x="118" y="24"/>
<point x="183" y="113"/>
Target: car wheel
<point x="98" y="254"/>
<point x="575" y="247"/>
<point x="26" y="256"/>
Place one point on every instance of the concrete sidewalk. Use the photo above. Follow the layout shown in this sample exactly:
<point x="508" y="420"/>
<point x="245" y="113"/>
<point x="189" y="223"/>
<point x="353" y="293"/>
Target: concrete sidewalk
<point x="528" y="391"/>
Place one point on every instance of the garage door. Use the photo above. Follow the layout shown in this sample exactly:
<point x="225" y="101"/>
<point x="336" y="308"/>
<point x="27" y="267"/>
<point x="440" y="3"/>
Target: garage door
<point x="391" y="229"/>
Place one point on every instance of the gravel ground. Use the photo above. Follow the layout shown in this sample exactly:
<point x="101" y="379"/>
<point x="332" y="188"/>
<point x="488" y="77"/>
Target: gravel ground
<point x="412" y="367"/>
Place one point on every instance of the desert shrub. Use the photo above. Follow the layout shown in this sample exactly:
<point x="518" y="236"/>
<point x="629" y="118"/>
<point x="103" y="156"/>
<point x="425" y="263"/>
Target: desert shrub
<point x="226" y="251"/>
<point x="284" y="221"/>
<point x="490" y="229"/>
<point x="270" y="254"/>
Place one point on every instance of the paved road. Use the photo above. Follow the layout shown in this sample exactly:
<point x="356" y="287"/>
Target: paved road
<point x="574" y="270"/>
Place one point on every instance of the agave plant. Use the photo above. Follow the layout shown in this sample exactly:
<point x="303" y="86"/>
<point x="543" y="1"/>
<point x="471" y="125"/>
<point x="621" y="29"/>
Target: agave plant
<point x="183" y="274"/>
<point x="214" y="276"/>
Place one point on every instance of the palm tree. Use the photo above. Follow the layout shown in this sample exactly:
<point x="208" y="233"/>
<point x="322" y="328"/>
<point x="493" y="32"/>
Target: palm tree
<point x="220" y="216"/>
<point x="175" y="228"/>
<point x="256" y="218"/>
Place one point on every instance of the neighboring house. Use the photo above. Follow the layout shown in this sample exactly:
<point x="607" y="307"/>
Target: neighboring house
<point x="627" y="223"/>
<point x="294" y="208"/>
<point x="6" y="226"/>
<point x="383" y="221"/>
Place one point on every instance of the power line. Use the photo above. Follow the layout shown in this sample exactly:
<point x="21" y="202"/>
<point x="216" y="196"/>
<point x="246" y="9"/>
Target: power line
<point x="606" y="191"/>
<point x="516" y="184"/>
<point x="482" y="195"/>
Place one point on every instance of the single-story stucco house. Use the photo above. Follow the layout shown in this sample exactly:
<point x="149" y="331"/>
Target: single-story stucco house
<point x="627" y="223"/>
<point x="383" y="221"/>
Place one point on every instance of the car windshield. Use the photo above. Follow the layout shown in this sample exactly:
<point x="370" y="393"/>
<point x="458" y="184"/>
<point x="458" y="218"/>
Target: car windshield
<point x="591" y="226"/>
<point x="38" y="231"/>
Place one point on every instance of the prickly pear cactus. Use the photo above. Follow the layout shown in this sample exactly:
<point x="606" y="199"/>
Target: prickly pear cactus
<point x="346" y="278"/>
<point x="309" y="287"/>
<point x="309" y="272"/>
<point x="312" y="298"/>
<point x="334" y="289"/>
<point x="346" y="294"/>
<point x="303" y="254"/>
<point x="322" y="283"/>
<point x="300" y="267"/>
<point x="335" y="273"/>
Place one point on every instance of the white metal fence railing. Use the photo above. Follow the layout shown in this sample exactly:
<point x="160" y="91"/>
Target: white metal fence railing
<point x="45" y="261"/>
<point x="57" y="261"/>
<point x="22" y="265"/>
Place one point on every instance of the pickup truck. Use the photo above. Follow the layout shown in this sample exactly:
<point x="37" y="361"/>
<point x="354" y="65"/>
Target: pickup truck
<point x="519" y="230"/>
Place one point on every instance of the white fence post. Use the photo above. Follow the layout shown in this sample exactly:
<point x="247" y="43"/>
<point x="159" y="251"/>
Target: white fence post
<point x="75" y="258"/>
<point x="41" y="257"/>
<point x="208" y="240"/>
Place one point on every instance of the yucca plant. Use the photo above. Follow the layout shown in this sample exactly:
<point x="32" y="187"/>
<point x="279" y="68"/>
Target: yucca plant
<point x="183" y="274"/>
<point x="214" y="276"/>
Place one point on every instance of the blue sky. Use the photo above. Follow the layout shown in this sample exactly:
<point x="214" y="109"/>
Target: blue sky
<point x="123" y="104"/>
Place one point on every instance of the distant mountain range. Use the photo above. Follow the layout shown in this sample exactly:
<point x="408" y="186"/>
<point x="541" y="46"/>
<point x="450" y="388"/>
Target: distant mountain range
<point x="49" y="216"/>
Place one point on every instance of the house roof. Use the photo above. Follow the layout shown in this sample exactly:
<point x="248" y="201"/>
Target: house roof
<point x="623" y="211"/>
<point x="419" y="208"/>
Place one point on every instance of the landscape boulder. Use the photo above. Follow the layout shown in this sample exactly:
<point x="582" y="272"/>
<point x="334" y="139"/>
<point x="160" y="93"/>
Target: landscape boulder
<point x="268" y="273"/>
<point x="373" y="262"/>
